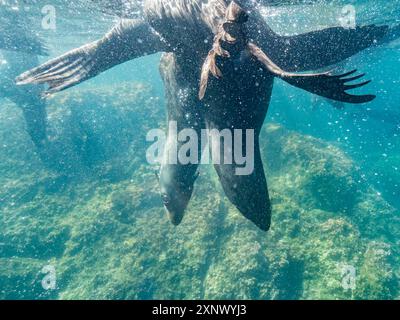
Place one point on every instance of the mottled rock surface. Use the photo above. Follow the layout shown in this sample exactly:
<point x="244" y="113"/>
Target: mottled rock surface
<point x="93" y="212"/>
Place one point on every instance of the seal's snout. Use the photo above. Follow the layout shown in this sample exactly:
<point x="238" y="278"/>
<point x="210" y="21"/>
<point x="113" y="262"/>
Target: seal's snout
<point x="175" y="194"/>
<point x="175" y="203"/>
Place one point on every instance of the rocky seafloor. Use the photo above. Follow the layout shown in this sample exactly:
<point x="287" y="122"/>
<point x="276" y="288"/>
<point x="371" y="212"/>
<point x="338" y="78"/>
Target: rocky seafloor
<point x="93" y="213"/>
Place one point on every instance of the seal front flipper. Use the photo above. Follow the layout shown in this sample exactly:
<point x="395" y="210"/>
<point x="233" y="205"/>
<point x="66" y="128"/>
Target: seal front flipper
<point x="323" y="84"/>
<point x="130" y="39"/>
<point x="319" y="49"/>
<point x="331" y="86"/>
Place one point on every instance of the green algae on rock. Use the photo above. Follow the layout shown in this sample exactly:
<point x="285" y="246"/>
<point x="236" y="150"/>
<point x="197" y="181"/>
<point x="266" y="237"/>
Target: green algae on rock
<point x="96" y="216"/>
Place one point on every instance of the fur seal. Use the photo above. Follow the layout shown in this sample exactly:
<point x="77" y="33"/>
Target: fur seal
<point x="15" y="34"/>
<point x="239" y="99"/>
<point x="20" y="49"/>
<point x="27" y="98"/>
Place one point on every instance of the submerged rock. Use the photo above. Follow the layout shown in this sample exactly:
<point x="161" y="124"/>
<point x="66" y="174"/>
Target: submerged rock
<point x="99" y="221"/>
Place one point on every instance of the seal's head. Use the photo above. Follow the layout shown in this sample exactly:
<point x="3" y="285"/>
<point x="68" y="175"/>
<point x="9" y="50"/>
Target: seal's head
<point x="175" y="193"/>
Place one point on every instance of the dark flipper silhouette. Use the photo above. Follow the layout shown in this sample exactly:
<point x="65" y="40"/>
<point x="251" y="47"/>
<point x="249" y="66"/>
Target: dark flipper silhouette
<point x="318" y="49"/>
<point x="392" y="35"/>
<point x="323" y="84"/>
<point x="128" y="40"/>
<point x="331" y="86"/>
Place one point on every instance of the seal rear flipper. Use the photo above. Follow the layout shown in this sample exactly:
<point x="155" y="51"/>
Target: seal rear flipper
<point x="320" y="49"/>
<point x="128" y="40"/>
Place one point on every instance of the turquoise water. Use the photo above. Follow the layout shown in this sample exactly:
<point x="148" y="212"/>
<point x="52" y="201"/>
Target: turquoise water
<point x="84" y="219"/>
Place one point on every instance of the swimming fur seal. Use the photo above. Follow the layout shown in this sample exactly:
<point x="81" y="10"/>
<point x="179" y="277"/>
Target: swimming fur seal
<point x="27" y="98"/>
<point x="15" y="34"/>
<point x="239" y="99"/>
<point x="20" y="48"/>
